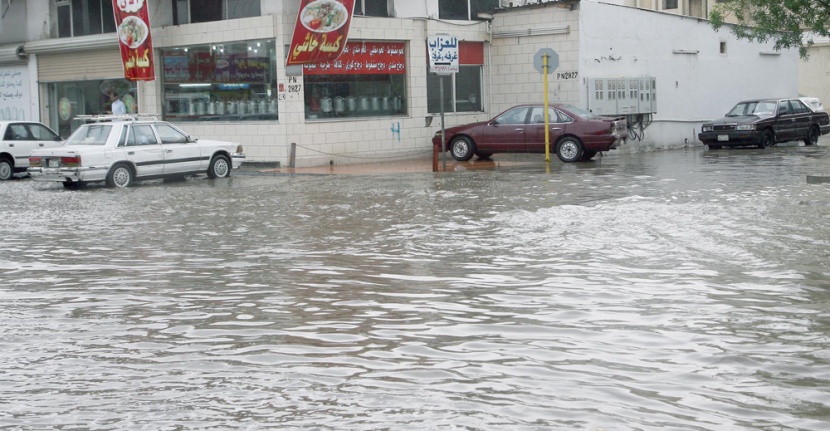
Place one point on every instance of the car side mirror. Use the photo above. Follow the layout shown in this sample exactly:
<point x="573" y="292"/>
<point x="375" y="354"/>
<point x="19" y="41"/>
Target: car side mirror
<point x="493" y="123"/>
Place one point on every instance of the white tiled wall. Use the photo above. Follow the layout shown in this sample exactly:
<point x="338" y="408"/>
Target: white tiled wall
<point x="514" y="79"/>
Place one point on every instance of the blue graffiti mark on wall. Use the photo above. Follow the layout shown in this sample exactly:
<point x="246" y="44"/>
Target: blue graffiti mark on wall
<point x="396" y="131"/>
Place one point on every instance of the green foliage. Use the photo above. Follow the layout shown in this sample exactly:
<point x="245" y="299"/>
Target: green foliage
<point x="785" y="22"/>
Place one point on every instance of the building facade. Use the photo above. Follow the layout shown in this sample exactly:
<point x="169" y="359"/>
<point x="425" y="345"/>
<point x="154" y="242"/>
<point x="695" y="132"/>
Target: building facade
<point x="220" y="71"/>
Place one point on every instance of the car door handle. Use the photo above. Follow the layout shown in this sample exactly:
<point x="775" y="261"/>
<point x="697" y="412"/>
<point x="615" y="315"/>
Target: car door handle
<point x="169" y="151"/>
<point x="519" y="130"/>
<point x="40" y="144"/>
<point x="556" y="128"/>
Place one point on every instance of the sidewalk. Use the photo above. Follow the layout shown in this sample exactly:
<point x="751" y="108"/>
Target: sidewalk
<point x="420" y="165"/>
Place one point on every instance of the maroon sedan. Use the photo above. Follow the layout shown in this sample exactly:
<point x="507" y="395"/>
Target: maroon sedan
<point x="575" y="134"/>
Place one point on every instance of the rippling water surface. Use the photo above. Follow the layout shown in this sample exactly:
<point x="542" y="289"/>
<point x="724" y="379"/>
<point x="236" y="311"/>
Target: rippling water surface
<point x="685" y="290"/>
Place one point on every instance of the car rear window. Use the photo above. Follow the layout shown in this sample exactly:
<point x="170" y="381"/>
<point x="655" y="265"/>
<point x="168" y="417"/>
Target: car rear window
<point x="90" y="134"/>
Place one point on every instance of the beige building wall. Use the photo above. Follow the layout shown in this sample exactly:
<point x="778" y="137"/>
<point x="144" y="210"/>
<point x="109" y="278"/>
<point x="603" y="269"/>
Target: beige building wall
<point x="814" y="73"/>
<point x="514" y="79"/>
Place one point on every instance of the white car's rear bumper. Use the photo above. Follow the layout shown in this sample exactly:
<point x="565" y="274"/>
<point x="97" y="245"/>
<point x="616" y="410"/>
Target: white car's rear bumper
<point x="68" y="174"/>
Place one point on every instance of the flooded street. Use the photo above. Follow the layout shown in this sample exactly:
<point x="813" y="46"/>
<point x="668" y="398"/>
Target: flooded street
<point x="679" y="290"/>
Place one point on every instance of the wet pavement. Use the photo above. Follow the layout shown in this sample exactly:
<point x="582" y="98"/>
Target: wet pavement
<point x="676" y="290"/>
<point x="445" y="163"/>
<point x="420" y="165"/>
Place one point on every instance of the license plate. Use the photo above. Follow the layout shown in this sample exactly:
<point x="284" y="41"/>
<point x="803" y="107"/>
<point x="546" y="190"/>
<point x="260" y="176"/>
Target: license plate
<point x="54" y="163"/>
<point x="723" y="137"/>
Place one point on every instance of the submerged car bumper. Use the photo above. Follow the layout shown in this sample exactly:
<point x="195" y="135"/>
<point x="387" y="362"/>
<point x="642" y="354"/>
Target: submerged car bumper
<point x="731" y="137"/>
<point x="79" y="174"/>
<point x="237" y="159"/>
<point x="605" y="143"/>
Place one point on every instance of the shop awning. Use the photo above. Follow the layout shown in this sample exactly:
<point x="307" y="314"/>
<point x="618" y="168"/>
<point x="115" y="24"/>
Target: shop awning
<point x="11" y="54"/>
<point x="71" y="44"/>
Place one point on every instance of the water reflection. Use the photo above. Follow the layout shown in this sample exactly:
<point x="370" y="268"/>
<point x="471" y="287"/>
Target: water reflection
<point x="679" y="290"/>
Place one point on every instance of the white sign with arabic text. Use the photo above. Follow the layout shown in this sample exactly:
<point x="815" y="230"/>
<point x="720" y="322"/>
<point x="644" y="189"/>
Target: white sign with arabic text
<point x="443" y="54"/>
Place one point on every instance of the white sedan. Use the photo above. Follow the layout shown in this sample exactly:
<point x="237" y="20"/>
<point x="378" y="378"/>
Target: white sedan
<point x="17" y="140"/>
<point x="121" y="149"/>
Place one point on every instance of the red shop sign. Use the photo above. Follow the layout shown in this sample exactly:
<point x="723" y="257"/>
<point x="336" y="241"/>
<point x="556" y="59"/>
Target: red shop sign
<point x="364" y="58"/>
<point x="132" y="23"/>
<point x="321" y="31"/>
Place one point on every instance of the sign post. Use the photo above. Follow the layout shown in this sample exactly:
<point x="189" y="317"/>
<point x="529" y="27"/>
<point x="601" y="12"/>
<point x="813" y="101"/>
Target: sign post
<point x="443" y="60"/>
<point x="546" y="61"/>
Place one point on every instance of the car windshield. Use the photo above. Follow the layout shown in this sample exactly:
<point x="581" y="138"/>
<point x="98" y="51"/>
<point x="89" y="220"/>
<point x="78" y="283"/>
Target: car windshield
<point x="581" y="113"/>
<point x="90" y="134"/>
<point x="762" y="108"/>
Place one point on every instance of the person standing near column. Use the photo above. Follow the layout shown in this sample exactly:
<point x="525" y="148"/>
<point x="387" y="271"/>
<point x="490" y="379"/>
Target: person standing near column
<point x="118" y="107"/>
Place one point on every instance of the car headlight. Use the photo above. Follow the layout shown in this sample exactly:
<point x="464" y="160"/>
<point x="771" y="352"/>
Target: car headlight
<point x="707" y="128"/>
<point x="745" y="127"/>
<point x="439" y="134"/>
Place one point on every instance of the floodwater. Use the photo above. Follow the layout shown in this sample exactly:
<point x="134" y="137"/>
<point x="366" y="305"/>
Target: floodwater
<point x="679" y="290"/>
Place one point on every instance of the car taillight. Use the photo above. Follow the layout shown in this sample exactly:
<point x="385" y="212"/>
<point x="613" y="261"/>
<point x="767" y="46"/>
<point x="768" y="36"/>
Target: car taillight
<point x="35" y="162"/>
<point x="71" y="162"/>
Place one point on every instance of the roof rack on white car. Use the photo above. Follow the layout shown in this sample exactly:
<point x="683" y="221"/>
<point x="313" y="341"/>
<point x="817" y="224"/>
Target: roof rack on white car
<point x="118" y="117"/>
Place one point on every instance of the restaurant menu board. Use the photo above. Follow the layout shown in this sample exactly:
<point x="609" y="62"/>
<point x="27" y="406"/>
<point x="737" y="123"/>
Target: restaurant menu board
<point x="364" y="58"/>
<point x="132" y="23"/>
<point x="199" y="67"/>
<point x="321" y="31"/>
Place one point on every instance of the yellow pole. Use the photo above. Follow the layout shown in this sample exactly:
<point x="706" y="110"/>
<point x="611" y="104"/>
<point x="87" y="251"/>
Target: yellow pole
<point x="547" y="120"/>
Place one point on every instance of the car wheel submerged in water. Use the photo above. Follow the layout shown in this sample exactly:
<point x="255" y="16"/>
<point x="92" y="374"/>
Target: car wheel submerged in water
<point x="462" y="149"/>
<point x="812" y="136"/>
<point x="767" y="139"/>
<point x="220" y="167"/>
<point x="120" y="176"/>
<point x="6" y="169"/>
<point x="569" y="150"/>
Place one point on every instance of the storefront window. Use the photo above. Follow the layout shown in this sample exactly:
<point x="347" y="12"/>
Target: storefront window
<point x="368" y="79"/>
<point x="231" y="81"/>
<point x="463" y="90"/>
<point x="68" y="100"/>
